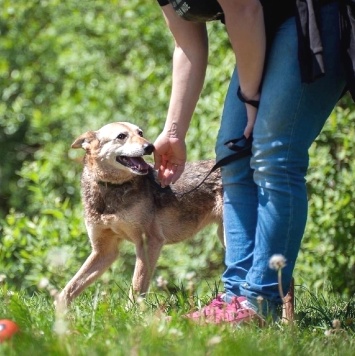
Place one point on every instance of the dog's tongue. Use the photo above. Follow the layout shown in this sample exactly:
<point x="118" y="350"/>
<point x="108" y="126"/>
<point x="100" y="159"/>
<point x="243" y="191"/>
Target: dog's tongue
<point x="139" y="162"/>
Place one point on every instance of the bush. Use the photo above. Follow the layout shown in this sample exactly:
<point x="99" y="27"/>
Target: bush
<point x="72" y="66"/>
<point x="328" y="249"/>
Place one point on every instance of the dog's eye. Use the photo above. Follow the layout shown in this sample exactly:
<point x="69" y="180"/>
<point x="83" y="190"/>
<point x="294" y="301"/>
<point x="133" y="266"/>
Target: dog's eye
<point x="140" y="133"/>
<point x="121" y="136"/>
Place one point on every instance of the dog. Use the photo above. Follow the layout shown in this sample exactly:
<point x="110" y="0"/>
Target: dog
<point x="123" y="200"/>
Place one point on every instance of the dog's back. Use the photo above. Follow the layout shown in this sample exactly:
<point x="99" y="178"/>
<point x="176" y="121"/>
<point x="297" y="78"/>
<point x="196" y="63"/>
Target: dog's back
<point x="178" y="211"/>
<point x="188" y="206"/>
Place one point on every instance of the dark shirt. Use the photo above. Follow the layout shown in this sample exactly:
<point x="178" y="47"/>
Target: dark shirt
<point x="196" y="10"/>
<point x="277" y="11"/>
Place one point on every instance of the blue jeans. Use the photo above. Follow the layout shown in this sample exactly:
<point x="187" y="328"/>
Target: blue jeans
<point x="265" y="198"/>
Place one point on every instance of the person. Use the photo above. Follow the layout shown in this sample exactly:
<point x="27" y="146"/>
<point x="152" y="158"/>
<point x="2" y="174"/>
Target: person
<point x="291" y="70"/>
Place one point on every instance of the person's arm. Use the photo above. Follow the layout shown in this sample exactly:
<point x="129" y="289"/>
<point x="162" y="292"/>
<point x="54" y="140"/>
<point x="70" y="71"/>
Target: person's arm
<point x="246" y="30"/>
<point x="189" y="68"/>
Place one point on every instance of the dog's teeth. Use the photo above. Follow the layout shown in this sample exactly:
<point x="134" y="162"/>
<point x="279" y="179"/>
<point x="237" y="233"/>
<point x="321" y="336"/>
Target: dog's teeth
<point x="135" y="163"/>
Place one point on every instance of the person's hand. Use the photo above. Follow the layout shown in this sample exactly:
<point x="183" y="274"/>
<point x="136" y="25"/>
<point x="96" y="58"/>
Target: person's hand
<point x="170" y="158"/>
<point x="251" y="113"/>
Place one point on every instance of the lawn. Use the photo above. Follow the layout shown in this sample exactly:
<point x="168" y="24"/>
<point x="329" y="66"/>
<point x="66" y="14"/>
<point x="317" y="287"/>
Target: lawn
<point x="99" y="323"/>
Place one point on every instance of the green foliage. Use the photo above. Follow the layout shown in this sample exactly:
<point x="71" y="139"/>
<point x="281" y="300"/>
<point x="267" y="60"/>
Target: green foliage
<point x="329" y="245"/>
<point x="71" y="66"/>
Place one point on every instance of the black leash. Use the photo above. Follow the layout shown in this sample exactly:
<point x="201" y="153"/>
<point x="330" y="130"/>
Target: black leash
<point x="242" y="147"/>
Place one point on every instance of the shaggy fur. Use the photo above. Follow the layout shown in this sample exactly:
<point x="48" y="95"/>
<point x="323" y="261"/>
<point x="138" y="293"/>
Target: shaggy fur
<point x="124" y="201"/>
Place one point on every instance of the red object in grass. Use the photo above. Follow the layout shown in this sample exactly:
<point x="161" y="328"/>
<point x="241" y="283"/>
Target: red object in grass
<point x="8" y="328"/>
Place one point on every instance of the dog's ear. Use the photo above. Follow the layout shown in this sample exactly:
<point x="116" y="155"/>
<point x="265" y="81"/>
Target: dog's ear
<point x="83" y="141"/>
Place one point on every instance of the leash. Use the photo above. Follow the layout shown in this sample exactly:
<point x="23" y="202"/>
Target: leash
<point x="241" y="145"/>
<point x="241" y="151"/>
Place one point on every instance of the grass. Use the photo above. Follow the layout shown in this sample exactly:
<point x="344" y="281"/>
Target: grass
<point x="98" y="323"/>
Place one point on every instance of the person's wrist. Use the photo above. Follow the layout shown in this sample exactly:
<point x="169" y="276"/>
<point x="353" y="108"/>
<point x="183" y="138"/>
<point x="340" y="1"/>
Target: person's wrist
<point x="252" y="100"/>
<point x="173" y="131"/>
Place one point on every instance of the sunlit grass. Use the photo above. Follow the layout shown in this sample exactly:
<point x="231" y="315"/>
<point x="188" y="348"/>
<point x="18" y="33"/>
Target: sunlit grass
<point x="99" y="323"/>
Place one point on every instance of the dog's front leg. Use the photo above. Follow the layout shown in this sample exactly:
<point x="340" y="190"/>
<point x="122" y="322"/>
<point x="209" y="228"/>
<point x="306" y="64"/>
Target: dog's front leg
<point x="104" y="253"/>
<point x="147" y="253"/>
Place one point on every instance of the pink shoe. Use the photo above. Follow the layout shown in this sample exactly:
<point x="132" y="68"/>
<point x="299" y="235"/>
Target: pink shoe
<point x="219" y="311"/>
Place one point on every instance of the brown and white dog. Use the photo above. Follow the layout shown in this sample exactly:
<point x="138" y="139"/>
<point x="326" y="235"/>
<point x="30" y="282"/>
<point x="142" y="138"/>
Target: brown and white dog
<point x="124" y="201"/>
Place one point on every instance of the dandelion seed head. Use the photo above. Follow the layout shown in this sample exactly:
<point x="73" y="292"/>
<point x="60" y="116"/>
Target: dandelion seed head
<point x="277" y="262"/>
<point x="58" y="256"/>
<point x="43" y="283"/>
<point x="175" y="332"/>
<point x="328" y="332"/>
<point x="214" y="340"/>
<point x="141" y="303"/>
<point x="60" y="326"/>
<point x="190" y="275"/>
<point x="190" y="286"/>
<point x="140" y="300"/>
<point x="161" y="282"/>
<point x="53" y="292"/>
<point x="336" y="324"/>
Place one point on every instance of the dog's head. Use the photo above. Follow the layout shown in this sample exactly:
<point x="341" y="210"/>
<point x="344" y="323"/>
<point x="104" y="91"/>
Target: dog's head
<point x="117" y="146"/>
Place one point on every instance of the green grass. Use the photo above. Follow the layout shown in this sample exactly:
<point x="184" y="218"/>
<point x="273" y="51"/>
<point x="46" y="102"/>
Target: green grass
<point x="98" y="323"/>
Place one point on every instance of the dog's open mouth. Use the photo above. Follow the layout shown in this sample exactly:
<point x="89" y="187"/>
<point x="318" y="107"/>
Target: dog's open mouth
<point x="136" y="164"/>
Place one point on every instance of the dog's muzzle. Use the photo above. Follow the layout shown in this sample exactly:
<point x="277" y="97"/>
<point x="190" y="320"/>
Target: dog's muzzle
<point x="137" y="164"/>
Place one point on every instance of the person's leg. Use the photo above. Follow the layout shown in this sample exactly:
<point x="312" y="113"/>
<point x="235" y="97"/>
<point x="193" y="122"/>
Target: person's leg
<point x="290" y="116"/>
<point x="240" y="195"/>
<point x="269" y="217"/>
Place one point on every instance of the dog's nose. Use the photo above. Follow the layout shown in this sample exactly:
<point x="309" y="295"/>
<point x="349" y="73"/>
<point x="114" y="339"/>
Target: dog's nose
<point x="148" y="148"/>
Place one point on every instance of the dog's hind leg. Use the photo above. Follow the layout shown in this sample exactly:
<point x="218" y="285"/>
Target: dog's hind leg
<point x="103" y="254"/>
<point x="147" y="253"/>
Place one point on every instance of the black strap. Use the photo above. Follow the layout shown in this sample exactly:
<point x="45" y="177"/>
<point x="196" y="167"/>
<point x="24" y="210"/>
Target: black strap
<point x="240" y="144"/>
<point x="254" y="103"/>
<point x="222" y="162"/>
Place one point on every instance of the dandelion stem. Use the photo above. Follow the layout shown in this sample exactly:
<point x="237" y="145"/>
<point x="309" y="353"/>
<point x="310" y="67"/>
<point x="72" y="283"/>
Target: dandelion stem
<point x="279" y="278"/>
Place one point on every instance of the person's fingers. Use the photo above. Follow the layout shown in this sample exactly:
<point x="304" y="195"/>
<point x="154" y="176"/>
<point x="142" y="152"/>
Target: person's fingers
<point x="160" y="174"/>
<point x="249" y="129"/>
<point x="179" y="169"/>
<point x="251" y="112"/>
<point x="171" y="173"/>
<point x="175" y="171"/>
<point x="157" y="160"/>
<point x="165" y="177"/>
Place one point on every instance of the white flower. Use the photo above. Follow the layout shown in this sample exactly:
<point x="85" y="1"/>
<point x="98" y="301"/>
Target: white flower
<point x="60" y="326"/>
<point x="175" y="332"/>
<point x="58" y="257"/>
<point x="277" y="262"/>
<point x="336" y="324"/>
<point x="53" y="292"/>
<point x="161" y="282"/>
<point x="214" y="340"/>
<point x="190" y="285"/>
<point x="328" y="332"/>
<point x="2" y="277"/>
<point x="190" y="275"/>
<point x="43" y="283"/>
